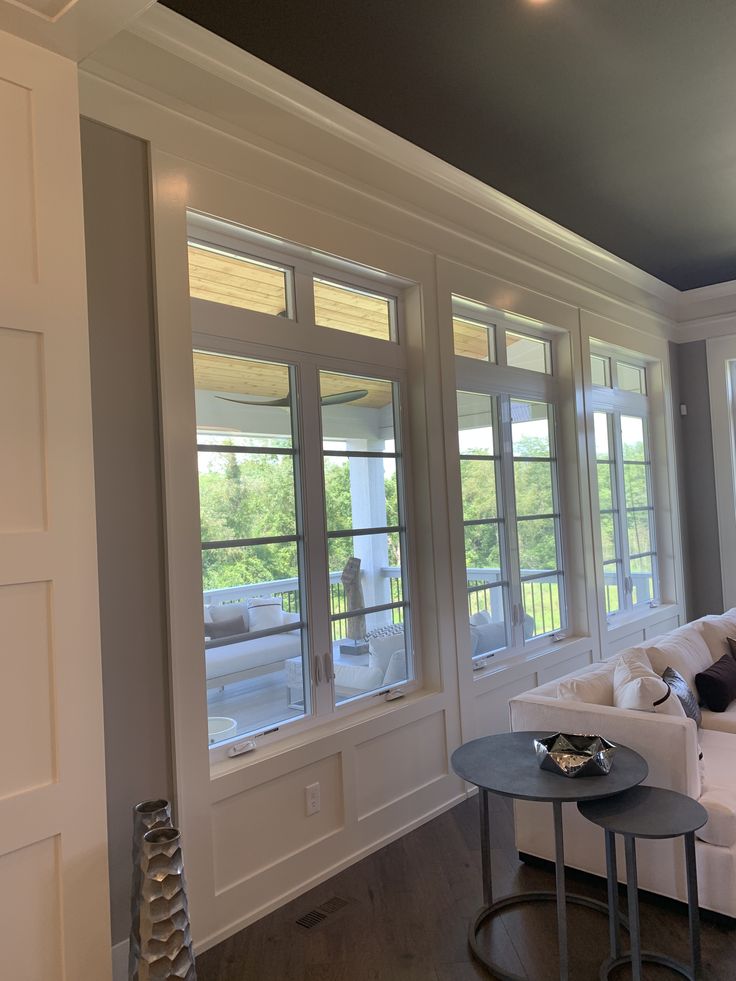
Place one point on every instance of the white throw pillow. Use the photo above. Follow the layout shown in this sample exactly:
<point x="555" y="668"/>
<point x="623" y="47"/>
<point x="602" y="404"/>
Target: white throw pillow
<point x="396" y="671"/>
<point x="265" y="612"/>
<point x="684" y="650"/>
<point x="637" y="687"/>
<point x="482" y="616"/>
<point x="594" y="686"/>
<point x="227" y="611"/>
<point x="715" y="631"/>
<point x="487" y="637"/>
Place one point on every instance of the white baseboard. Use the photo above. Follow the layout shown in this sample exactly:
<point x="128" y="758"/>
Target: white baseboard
<point x="120" y="961"/>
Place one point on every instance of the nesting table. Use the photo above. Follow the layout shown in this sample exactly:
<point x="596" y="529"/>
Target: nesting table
<point x="647" y="812"/>
<point x="506" y="764"/>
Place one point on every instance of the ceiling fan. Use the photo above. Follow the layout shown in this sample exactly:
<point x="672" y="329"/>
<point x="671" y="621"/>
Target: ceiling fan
<point x="339" y="398"/>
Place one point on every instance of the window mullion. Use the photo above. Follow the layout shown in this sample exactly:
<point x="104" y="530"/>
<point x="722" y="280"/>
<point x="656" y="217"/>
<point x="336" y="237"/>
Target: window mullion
<point x="315" y="539"/>
<point x="510" y="538"/>
<point x="623" y="537"/>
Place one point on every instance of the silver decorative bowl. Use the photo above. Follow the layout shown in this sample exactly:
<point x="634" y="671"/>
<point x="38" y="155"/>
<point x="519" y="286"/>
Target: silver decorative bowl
<point x="575" y="755"/>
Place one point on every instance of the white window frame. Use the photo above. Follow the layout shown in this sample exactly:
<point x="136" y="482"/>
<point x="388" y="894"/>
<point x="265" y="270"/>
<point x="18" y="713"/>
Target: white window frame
<point x="505" y="383"/>
<point x="304" y="346"/>
<point x="616" y="403"/>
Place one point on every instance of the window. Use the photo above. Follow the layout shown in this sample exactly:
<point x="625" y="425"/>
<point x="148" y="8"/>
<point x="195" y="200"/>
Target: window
<point x="510" y="497"/>
<point x="305" y="577"/>
<point x="474" y="339"/>
<point x="625" y="496"/>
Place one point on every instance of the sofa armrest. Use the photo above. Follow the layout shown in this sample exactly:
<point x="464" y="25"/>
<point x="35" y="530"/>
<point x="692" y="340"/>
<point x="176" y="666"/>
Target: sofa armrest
<point x="668" y="744"/>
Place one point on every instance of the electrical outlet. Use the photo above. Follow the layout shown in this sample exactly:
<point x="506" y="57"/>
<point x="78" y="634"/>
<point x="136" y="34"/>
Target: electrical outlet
<point x="312" y="795"/>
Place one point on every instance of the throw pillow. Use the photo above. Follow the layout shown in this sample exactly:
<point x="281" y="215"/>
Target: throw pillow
<point x="717" y="685"/>
<point x="639" y="688"/>
<point x="732" y="645"/>
<point x="487" y="637"/>
<point x="226" y="611"/>
<point x="683" y="650"/>
<point x="715" y="630"/>
<point x="479" y="618"/>
<point x="265" y="612"/>
<point x="594" y="686"/>
<point x="224" y="628"/>
<point x="685" y="693"/>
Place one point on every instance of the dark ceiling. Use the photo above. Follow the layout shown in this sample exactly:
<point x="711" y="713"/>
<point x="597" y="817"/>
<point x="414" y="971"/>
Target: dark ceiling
<point x="615" y="118"/>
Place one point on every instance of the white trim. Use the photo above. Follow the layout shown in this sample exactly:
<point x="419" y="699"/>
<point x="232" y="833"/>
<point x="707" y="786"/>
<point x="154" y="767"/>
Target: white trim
<point x="120" y="961"/>
<point x="719" y="352"/>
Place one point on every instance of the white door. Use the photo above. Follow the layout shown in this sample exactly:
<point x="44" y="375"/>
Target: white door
<point x="54" y="923"/>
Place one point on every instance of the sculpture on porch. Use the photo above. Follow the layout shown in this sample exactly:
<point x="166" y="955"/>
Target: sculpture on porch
<point x="354" y="600"/>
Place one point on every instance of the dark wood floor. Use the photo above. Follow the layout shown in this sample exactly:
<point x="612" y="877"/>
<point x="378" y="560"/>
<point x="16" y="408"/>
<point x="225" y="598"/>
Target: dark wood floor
<point x="407" y="914"/>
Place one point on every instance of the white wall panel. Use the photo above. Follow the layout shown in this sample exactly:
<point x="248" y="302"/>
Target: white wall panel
<point x="663" y="627"/>
<point x="566" y="666"/>
<point x="400" y="762"/>
<point x="269" y="824"/>
<point x="17" y="194"/>
<point x="22" y="436"/>
<point x="492" y="707"/>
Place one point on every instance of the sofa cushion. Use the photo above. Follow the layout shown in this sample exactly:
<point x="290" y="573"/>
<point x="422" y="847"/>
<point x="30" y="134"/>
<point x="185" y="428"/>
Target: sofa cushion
<point x="715" y="631"/>
<point x="224" y="628"/>
<point x="719" y="721"/>
<point x="684" y="650"/>
<point x="720" y="828"/>
<point x="226" y="611"/>
<point x="265" y="613"/>
<point x="637" y="687"/>
<point x="486" y="637"/>
<point x="717" y="685"/>
<point x="684" y="692"/>
<point x="719" y="792"/>
<point x="594" y="686"/>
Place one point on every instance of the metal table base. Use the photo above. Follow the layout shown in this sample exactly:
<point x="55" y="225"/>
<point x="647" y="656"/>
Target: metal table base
<point x="558" y="896"/>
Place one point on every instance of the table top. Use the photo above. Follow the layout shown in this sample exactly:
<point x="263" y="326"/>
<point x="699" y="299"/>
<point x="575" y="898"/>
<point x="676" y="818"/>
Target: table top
<point x="506" y="764"/>
<point x="646" y="812"/>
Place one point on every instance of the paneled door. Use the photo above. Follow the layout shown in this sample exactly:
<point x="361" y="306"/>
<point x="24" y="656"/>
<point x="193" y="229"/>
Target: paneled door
<point x="54" y="924"/>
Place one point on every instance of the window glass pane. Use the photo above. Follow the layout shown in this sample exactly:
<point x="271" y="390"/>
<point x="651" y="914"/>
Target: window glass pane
<point x="530" y="353"/>
<point x="537" y="545"/>
<point x="631" y="378"/>
<point x="360" y="492"/>
<point x="632" y="438"/>
<point x="608" y="537"/>
<point x="475" y="423"/>
<point x="225" y="277"/>
<point x="474" y="339"/>
<point x="542" y="609"/>
<point x="233" y="489"/>
<point x="487" y="617"/>
<point x="600" y="371"/>
<point x="639" y="532"/>
<point x="530" y="428"/>
<point x="367" y="582"/>
<point x="482" y="552"/>
<point x="479" y="489"/>
<point x="635" y="485"/>
<point x="533" y="487"/>
<point x="602" y="436"/>
<point x="242" y="402"/>
<point x="605" y="486"/>
<point x="353" y="310"/>
<point x="642" y="576"/>
<point x="357" y="411"/>
<point x="378" y="660"/>
<point x="610" y="582"/>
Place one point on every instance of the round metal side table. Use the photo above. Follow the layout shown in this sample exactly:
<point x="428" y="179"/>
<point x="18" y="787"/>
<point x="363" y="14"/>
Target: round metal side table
<point x="506" y="764"/>
<point x="647" y="812"/>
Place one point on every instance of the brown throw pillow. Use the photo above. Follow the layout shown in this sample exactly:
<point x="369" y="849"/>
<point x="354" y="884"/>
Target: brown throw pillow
<point x="228" y="628"/>
<point x="717" y="685"/>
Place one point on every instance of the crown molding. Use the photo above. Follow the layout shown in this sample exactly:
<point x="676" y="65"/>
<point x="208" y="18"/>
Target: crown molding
<point x="188" y="41"/>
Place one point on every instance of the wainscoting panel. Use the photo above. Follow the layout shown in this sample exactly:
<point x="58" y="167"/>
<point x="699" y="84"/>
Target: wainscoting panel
<point x="27" y="711"/>
<point x="616" y="644"/>
<point x="22" y="439"/>
<point x="18" y="258"/>
<point x="492" y="707"/>
<point x="30" y="925"/>
<point x="269" y="824"/>
<point x="560" y="668"/>
<point x="398" y="763"/>
<point x="663" y="627"/>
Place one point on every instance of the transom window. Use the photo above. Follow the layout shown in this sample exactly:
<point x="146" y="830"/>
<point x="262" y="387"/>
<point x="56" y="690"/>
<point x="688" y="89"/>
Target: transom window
<point x="509" y="484"/>
<point x="623" y="470"/>
<point x="306" y="592"/>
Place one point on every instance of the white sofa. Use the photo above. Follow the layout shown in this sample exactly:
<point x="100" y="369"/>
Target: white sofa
<point x="671" y="746"/>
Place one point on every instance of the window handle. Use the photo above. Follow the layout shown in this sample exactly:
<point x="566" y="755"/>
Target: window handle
<point x="329" y="671"/>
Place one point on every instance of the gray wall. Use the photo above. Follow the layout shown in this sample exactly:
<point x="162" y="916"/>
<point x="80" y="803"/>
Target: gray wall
<point x="701" y="553"/>
<point x="128" y="488"/>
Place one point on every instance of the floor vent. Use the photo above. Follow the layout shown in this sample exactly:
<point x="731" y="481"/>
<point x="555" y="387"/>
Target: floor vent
<point x="316" y="916"/>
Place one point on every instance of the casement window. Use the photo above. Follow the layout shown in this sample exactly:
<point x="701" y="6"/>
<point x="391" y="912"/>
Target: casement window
<point x="623" y="470"/>
<point x="511" y="508"/>
<point x="305" y="570"/>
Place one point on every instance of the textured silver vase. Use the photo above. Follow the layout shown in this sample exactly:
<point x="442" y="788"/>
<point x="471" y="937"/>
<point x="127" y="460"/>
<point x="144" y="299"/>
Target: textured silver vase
<point x="147" y="816"/>
<point x="165" y="952"/>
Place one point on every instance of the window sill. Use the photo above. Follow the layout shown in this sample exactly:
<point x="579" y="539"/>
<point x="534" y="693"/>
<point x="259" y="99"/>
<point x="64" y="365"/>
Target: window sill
<point x="500" y="663"/>
<point x="626" y="623"/>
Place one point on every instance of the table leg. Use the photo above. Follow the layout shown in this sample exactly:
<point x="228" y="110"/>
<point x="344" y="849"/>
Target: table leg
<point x="632" y="890"/>
<point x="485" y="846"/>
<point x="692" y="903"/>
<point x="613" y="910"/>
<point x="560" y="888"/>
